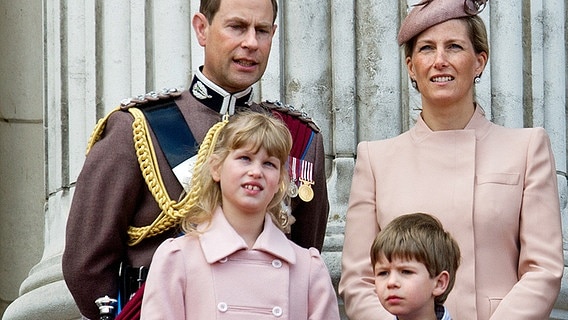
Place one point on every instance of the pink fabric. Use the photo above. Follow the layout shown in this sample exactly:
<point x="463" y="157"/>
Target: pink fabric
<point x="215" y="276"/>
<point x="493" y="188"/>
<point x="433" y="12"/>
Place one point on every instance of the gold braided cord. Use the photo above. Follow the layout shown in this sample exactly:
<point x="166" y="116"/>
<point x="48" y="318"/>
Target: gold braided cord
<point x="172" y="211"/>
<point x="98" y="130"/>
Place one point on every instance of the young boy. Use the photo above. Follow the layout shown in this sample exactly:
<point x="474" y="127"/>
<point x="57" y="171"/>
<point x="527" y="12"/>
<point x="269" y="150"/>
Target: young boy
<point x="415" y="263"/>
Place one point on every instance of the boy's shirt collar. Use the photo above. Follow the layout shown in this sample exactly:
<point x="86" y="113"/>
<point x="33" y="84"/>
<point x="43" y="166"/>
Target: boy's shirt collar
<point x="441" y="313"/>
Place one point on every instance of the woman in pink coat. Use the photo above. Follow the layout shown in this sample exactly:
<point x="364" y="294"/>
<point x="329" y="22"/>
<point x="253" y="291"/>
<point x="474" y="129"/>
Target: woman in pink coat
<point x="493" y="188"/>
<point x="234" y="261"/>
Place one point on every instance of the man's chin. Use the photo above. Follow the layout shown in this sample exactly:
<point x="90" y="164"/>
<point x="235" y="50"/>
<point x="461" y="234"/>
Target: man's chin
<point x="243" y="81"/>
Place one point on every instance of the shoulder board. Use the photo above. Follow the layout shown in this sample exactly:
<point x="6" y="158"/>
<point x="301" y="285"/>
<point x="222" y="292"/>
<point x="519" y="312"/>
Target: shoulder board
<point x="149" y="98"/>
<point x="289" y="110"/>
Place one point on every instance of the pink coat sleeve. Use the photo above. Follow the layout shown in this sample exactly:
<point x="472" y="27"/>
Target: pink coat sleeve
<point x="541" y="262"/>
<point x="357" y="281"/>
<point x="165" y="287"/>
<point x="322" y="301"/>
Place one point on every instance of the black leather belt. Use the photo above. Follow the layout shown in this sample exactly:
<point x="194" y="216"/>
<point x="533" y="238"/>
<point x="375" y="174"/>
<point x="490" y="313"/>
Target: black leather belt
<point x="131" y="278"/>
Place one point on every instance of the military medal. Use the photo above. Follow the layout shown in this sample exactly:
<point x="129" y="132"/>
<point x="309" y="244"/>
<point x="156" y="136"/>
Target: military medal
<point x="285" y="211"/>
<point x="286" y="218"/>
<point x="292" y="187"/>
<point x="305" y="191"/>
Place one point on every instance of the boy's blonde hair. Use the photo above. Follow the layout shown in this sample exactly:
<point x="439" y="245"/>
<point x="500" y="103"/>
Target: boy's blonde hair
<point x="420" y="237"/>
<point x="246" y="129"/>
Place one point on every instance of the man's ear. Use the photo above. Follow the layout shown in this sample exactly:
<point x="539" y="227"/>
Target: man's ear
<point x="442" y="281"/>
<point x="200" y="26"/>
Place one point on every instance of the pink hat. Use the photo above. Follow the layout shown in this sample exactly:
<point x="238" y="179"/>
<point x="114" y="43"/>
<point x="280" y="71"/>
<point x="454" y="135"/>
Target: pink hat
<point x="428" y="13"/>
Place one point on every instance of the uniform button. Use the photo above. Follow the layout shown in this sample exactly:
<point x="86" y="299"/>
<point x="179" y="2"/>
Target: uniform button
<point x="277" y="311"/>
<point x="224" y="260"/>
<point x="277" y="263"/>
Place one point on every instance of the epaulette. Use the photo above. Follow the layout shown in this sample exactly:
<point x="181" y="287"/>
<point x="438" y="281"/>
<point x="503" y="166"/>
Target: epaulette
<point x="149" y="98"/>
<point x="302" y="128"/>
<point x="138" y="102"/>
<point x="291" y="111"/>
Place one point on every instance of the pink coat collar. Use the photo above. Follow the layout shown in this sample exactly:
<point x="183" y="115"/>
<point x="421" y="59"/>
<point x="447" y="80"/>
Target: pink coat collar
<point x="221" y="240"/>
<point x="478" y="124"/>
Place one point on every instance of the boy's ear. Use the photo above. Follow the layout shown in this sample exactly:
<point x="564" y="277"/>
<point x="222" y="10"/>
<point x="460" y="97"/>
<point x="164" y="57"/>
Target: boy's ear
<point x="442" y="281"/>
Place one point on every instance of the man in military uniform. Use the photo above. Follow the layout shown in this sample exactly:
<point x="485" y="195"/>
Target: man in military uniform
<point x="112" y="194"/>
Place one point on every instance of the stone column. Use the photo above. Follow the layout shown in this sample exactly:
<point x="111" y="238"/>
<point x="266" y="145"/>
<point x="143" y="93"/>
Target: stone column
<point x="552" y="43"/>
<point x="22" y="192"/>
<point x="69" y="80"/>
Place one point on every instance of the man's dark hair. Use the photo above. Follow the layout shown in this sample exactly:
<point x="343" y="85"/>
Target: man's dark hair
<point x="210" y="7"/>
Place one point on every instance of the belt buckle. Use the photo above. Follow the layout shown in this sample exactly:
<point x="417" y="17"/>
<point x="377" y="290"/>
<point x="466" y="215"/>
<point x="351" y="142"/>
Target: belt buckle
<point x="141" y="275"/>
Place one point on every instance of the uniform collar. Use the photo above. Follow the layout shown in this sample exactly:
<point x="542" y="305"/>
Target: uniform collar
<point x="220" y="240"/>
<point x="215" y="97"/>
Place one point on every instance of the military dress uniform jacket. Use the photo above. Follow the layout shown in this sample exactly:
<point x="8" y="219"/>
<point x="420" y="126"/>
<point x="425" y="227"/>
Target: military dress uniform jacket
<point x="111" y="194"/>
<point x="493" y="188"/>
<point x="216" y="276"/>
